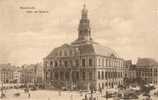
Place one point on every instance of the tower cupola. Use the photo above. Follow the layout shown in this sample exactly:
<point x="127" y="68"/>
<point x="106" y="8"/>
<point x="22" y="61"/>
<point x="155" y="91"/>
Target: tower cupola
<point x="84" y="30"/>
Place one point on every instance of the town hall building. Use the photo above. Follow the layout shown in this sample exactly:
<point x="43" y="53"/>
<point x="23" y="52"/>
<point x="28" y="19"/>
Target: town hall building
<point x="84" y="63"/>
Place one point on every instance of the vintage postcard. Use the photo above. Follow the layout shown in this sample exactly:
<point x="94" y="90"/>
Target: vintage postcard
<point x="78" y="50"/>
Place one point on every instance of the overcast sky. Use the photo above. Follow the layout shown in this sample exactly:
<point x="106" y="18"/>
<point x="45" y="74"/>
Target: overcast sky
<point x="130" y="27"/>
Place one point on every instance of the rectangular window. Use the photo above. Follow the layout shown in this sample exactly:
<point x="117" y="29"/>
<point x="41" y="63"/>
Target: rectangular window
<point x="65" y="53"/>
<point x="103" y="62"/>
<point x="90" y="62"/>
<point x="83" y="75"/>
<point x="98" y="74"/>
<point x="105" y="75"/>
<point x="60" y="63"/>
<point x="90" y="75"/>
<point x="51" y="62"/>
<point x="56" y="64"/>
<point x="83" y="62"/>
<point x="102" y="75"/>
<point x="107" y="63"/>
<point x="65" y="63"/>
<point x="77" y="62"/>
<point x="71" y="63"/>
<point x="98" y="62"/>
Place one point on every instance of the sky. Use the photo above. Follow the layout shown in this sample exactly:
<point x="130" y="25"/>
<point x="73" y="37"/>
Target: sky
<point x="130" y="27"/>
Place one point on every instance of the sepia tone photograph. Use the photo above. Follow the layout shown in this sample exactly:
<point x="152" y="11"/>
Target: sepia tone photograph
<point x="78" y="49"/>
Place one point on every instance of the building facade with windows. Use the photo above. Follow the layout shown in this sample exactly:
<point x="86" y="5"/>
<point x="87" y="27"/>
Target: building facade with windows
<point x="39" y="74"/>
<point x="83" y="64"/>
<point x="28" y="74"/>
<point x="32" y="74"/>
<point x="130" y="70"/>
<point x="147" y="70"/>
<point x="17" y="75"/>
<point x="6" y="73"/>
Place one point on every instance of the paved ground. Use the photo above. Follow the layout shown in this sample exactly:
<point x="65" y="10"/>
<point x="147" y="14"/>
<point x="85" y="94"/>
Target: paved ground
<point x="45" y="95"/>
<point x="51" y="95"/>
<point x="42" y="95"/>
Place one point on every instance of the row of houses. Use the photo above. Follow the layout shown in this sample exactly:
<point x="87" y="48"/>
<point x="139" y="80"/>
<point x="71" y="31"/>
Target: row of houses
<point x="145" y="69"/>
<point x="25" y="74"/>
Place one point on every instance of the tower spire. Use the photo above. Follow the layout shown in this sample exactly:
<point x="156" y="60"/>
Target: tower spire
<point x="84" y="11"/>
<point x="84" y="30"/>
<point x="84" y="3"/>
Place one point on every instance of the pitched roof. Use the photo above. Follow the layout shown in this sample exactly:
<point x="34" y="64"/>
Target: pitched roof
<point x="86" y="49"/>
<point x="146" y="62"/>
<point x="97" y="49"/>
<point x="7" y="67"/>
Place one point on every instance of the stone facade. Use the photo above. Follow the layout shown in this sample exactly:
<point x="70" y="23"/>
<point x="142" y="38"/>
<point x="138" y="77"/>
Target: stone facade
<point x="17" y="75"/>
<point x="27" y="74"/>
<point x="39" y="74"/>
<point x="32" y="74"/>
<point x="83" y="64"/>
<point x="6" y="73"/>
<point x="147" y="69"/>
<point x="130" y="70"/>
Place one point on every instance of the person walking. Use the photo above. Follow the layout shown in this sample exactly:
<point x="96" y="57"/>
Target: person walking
<point x="29" y="95"/>
<point x="86" y="98"/>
